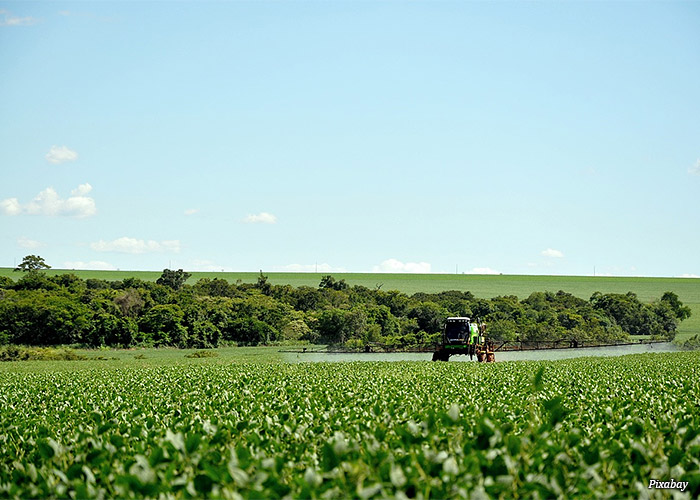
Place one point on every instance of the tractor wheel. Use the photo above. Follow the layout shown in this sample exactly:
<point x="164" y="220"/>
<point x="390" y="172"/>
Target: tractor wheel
<point x="441" y="356"/>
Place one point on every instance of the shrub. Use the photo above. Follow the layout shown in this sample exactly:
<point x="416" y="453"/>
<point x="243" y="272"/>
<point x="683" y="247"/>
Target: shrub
<point x="202" y="354"/>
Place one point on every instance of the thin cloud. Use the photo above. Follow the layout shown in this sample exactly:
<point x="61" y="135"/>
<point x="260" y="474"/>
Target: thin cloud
<point x="396" y="266"/>
<point x="7" y="19"/>
<point x="550" y="252"/>
<point x="686" y="275"/>
<point x="136" y="246"/>
<point x="29" y="244"/>
<point x="93" y="265"/>
<point x="261" y="218"/>
<point x="191" y="211"/>
<point x="60" y="154"/>
<point x="695" y="170"/>
<point x="49" y="203"/>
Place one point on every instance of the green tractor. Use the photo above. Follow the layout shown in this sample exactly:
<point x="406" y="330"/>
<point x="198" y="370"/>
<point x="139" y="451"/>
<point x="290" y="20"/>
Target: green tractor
<point x="464" y="336"/>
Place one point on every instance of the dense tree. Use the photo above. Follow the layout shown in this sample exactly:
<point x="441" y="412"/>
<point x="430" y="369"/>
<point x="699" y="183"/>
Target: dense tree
<point x="263" y="285"/>
<point x="173" y="279"/>
<point x="64" y="309"/>
<point x="35" y="280"/>
<point x="680" y="311"/>
<point x="331" y="283"/>
<point x="162" y="325"/>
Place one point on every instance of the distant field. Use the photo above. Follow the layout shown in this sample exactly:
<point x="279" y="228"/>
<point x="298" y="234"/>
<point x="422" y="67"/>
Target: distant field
<point x="486" y="286"/>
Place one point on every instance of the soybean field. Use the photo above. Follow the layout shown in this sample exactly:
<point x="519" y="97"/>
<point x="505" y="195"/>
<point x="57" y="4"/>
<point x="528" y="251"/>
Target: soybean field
<point x="587" y="427"/>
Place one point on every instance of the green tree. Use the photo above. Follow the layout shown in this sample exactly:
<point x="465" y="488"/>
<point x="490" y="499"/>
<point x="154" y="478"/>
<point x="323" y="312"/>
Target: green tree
<point x="163" y="326"/>
<point x="333" y="326"/>
<point x="32" y="263"/>
<point x="263" y="285"/>
<point x="250" y="331"/>
<point x="6" y="282"/>
<point x="173" y="279"/>
<point x="330" y="282"/>
<point x="44" y="318"/>
<point x="430" y="316"/>
<point x="679" y="310"/>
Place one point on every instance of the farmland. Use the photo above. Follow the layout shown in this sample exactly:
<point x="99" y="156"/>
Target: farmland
<point x="483" y="286"/>
<point x="590" y="427"/>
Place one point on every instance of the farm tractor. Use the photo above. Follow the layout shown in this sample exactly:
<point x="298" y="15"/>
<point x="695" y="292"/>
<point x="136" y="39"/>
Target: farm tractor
<point x="464" y="336"/>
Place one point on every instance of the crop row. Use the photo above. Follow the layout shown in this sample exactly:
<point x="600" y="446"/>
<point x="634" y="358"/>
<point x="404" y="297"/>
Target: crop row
<point x="594" y="427"/>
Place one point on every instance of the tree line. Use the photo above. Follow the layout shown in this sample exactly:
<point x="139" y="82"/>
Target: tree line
<point x="64" y="309"/>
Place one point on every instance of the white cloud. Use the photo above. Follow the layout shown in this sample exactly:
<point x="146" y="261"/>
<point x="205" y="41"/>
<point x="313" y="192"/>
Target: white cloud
<point x="191" y="211"/>
<point x="93" y="265"/>
<point x="82" y="190"/>
<point x="7" y="19"/>
<point x="25" y="242"/>
<point x="396" y="266"/>
<point x="49" y="203"/>
<point x="482" y="270"/>
<point x="686" y="275"/>
<point x="695" y="170"/>
<point x="61" y="154"/>
<point x="135" y="246"/>
<point x="310" y="268"/>
<point x="11" y="206"/>
<point x="261" y="218"/>
<point x="550" y="252"/>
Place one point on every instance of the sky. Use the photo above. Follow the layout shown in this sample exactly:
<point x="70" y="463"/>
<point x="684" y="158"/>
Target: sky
<point x="444" y="137"/>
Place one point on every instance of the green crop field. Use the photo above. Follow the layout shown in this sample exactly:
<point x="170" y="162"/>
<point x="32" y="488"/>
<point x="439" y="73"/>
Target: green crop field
<point x="484" y="286"/>
<point x="583" y="428"/>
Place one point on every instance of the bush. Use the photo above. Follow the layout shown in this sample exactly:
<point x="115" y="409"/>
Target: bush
<point x="19" y="353"/>
<point x="202" y="354"/>
<point x="691" y="344"/>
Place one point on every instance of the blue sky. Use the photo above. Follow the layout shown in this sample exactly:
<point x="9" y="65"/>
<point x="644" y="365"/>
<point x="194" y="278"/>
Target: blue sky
<point x="475" y="137"/>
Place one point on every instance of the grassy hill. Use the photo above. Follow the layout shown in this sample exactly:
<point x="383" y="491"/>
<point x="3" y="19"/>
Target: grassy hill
<point x="486" y="286"/>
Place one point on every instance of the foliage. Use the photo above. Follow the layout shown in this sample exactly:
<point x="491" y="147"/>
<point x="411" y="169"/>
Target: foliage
<point x="691" y="344"/>
<point x="162" y="325"/>
<point x="65" y="309"/>
<point x="333" y="284"/>
<point x="32" y="263"/>
<point x="202" y="354"/>
<point x="584" y="428"/>
<point x="173" y="279"/>
<point x="21" y="353"/>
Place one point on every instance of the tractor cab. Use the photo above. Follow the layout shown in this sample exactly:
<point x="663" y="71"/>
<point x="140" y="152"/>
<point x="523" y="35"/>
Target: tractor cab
<point x="462" y="330"/>
<point x="457" y="330"/>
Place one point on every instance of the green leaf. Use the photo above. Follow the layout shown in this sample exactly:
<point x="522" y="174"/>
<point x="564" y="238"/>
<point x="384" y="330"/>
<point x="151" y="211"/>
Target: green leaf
<point x="203" y="483"/>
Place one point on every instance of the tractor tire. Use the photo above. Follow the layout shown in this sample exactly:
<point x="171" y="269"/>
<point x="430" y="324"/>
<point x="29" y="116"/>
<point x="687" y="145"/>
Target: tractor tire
<point x="441" y="356"/>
